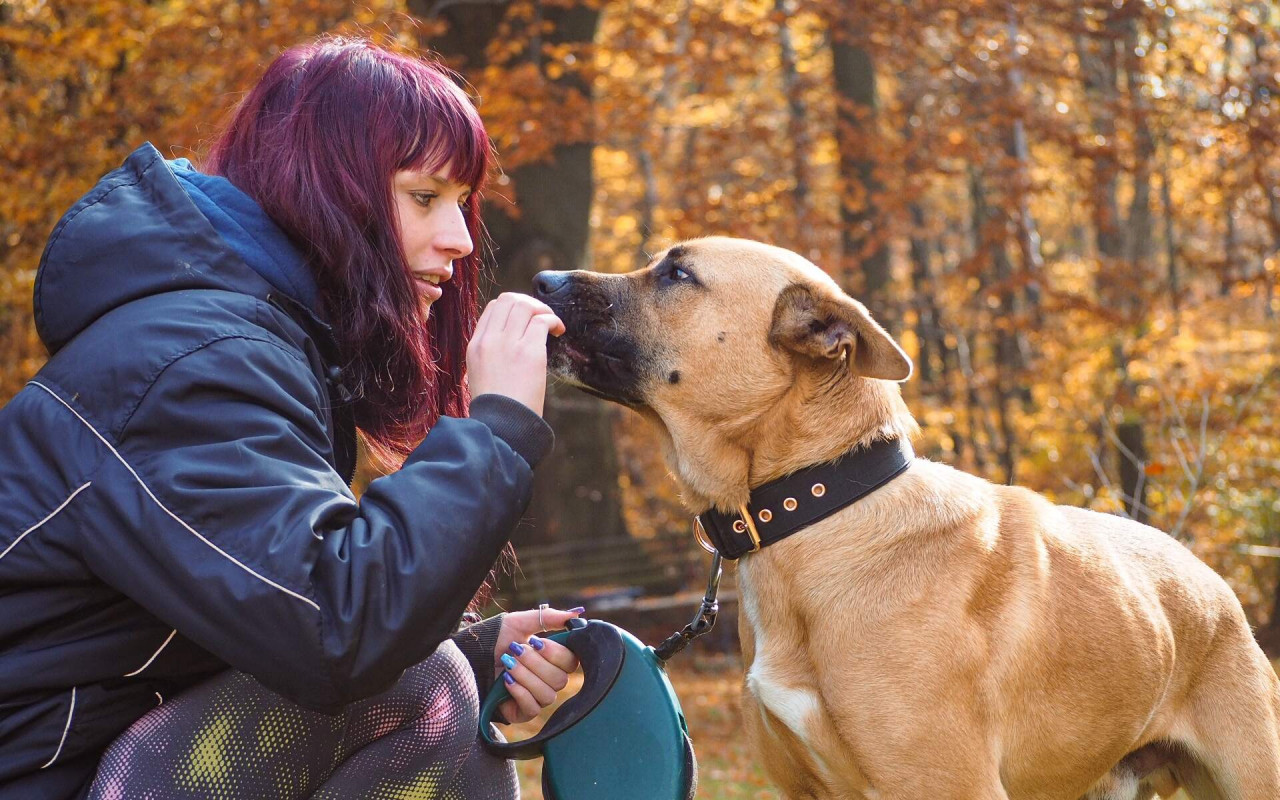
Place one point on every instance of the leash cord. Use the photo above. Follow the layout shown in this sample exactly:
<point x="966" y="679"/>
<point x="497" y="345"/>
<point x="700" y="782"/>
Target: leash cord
<point x="703" y="621"/>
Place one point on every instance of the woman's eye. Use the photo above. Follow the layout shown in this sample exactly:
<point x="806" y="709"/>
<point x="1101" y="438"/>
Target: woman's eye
<point x="423" y="198"/>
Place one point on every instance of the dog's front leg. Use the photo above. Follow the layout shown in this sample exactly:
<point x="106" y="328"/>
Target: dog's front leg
<point x="784" y="762"/>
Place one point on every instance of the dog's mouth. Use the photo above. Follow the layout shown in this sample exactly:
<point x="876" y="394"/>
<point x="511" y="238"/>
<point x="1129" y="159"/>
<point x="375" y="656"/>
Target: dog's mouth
<point x="601" y="363"/>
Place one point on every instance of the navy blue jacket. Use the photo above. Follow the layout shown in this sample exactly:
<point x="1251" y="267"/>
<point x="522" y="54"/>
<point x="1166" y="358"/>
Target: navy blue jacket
<point x="174" y="485"/>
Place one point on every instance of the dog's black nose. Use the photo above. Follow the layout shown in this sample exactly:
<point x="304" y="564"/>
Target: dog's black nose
<point x="549" y="283"/>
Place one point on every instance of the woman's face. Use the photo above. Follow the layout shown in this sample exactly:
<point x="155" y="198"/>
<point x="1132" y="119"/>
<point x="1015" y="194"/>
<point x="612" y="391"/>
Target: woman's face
<point x="433" y="226"/>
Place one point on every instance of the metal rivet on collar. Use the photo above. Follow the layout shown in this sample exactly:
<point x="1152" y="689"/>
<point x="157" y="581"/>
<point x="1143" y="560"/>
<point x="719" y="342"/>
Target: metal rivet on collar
<point x="739" y="526"/>
<point x="765" y="515"/>
<point x="790" y="504"/>
<point x="818" y="490"/>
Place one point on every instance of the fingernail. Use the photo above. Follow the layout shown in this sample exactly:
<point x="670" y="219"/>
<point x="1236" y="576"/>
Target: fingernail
<point x="536" y="643"/>
<point x="516" y="648"/>
<point x="507" y="679"/>
<point x="508" y="661"/>
<point x="577" y="610"/>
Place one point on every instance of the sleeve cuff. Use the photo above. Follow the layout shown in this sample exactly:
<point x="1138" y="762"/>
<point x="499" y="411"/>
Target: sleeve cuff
<point x="516" y="424"/>
<point x="477" y="643"/>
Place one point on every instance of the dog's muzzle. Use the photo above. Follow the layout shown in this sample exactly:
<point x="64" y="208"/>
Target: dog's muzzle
<point x="595" y="353"/>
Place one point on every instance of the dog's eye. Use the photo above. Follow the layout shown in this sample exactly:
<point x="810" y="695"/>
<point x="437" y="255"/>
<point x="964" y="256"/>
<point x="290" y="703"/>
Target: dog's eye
<point x="670" y="272"/>
<point x="676" y="274"/>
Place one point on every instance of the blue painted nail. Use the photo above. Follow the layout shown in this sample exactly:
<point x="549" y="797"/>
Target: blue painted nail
<point x="516" y="648"/>
<point x="577" y="610"/>
<point x="507" y="679"/>
<point x="508" y="661"/>
<point x="536" y="643"/>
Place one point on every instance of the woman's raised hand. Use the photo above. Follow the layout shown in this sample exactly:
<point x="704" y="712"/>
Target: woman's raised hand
<point x="508" y="351"/>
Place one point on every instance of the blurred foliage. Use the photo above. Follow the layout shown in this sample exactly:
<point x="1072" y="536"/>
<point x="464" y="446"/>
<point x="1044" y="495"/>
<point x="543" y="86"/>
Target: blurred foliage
<point x="1078" y="200"/>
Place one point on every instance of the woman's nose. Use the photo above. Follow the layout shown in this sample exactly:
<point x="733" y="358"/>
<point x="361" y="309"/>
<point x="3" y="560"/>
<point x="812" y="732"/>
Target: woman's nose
<point x="454" y="238"/>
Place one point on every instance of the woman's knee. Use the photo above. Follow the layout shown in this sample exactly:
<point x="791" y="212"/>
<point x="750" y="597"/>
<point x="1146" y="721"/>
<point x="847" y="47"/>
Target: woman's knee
<point x="446" y="688"/>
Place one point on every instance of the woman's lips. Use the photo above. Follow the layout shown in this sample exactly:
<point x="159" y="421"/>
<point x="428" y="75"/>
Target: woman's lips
<point x="429" y="290"/>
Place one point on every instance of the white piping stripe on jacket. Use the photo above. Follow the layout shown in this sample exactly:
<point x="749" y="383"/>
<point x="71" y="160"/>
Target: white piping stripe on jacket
<point x="172" y="634"/>
<point x="50" y="516"/>
<point x="65" y="728"/>
<point x="176" y="518"/>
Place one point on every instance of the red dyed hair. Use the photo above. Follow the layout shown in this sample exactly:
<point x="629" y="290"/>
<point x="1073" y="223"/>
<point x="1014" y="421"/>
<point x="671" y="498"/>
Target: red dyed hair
<point x="316" y="143"/>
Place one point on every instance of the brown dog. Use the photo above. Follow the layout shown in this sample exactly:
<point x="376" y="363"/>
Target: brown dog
<point x="942" y="637"/>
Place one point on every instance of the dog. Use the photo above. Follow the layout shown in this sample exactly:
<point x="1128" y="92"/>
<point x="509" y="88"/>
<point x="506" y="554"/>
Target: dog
<point x="942" y="637"/>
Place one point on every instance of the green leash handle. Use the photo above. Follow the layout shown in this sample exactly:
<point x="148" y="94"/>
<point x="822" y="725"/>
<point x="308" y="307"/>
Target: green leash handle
<point x="622" y="736"/>
<point x="600" y="651"/>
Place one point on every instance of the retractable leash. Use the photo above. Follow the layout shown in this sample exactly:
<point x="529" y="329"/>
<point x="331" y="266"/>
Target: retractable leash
<point x="623" y="736"/>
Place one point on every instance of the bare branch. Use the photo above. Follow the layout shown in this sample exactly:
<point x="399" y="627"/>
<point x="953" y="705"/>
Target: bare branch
<point x="1189" y="502"/>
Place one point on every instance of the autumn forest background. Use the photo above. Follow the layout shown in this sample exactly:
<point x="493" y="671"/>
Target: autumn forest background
<point x="1068" y="211"/>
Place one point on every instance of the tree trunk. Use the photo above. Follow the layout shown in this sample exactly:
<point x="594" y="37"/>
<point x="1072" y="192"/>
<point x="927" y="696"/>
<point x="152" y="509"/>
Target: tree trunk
<point x="928" y="327"/>
<point x="804" y="239"/>
<point x="1262" y="147"/>
<point x="1008" y="355"/>
<point x="663" y="105"/>
<point x="1139" y="246"/>
<point x="1028" y="233"/>
<point x="1124" y="245"/>
<point x="1132" y="455"/>
<point x="1099" y="72"/>
<point x="576" y="491"/>
<point x="1228" y="275"/>
<point x="1170" y="243"/>
<point x="1004" y="353"/>
<point x="1268" y="635"/>
<point x="865" y="248"/>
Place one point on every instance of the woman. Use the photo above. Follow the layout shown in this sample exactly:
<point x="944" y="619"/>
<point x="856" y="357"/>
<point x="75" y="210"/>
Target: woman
<point x="175" y="479"/>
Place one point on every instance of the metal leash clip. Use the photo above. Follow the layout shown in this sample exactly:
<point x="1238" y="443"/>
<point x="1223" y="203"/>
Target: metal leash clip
<point x="705" y="618"/>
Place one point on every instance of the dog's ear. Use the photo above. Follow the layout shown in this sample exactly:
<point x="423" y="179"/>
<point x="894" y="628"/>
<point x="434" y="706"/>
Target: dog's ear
<point x="834" y="326"/>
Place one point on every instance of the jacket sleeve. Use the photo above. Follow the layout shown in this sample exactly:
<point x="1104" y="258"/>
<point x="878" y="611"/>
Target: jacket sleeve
<point x="222" y="515"/>
<point x="477" y="642"/>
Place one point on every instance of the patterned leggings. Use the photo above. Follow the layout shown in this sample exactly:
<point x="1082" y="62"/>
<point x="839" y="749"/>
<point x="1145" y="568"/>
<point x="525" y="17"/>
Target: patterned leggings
<point x="231" y="739"/>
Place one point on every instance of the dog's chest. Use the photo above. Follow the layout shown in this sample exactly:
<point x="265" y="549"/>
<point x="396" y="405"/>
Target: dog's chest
<point x="791" y="709"/>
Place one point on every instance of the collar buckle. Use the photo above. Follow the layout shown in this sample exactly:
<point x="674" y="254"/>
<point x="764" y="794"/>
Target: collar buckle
<point x="750" y="525"/>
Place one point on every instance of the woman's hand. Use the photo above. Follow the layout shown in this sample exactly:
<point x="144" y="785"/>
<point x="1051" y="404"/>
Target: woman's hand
<point x="539" y="668"/>
<point x="507" y="354"/>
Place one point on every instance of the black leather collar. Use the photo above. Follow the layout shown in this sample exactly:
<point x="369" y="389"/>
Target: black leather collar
<point x="780" y="508"/>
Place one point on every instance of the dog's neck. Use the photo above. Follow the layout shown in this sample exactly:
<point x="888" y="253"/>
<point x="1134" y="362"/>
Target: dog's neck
<point x="811" y="430"/>
<point x="815" y="421"/>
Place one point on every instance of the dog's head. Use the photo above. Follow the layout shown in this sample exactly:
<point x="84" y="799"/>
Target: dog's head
<point x="728" y="345"/>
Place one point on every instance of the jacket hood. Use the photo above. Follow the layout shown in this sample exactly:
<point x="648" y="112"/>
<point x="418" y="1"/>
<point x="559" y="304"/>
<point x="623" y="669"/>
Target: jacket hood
<point x="153" y="226"/>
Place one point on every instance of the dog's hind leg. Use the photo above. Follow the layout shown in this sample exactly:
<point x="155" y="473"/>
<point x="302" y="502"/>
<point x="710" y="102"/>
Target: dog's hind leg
<point x="1232" y="728"/>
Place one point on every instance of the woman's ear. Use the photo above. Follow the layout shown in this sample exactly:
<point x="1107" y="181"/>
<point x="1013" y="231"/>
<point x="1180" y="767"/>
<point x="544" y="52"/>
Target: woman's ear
<point x="822" y="324"/>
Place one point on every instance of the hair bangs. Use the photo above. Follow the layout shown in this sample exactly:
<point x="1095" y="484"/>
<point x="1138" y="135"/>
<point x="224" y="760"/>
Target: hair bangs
<point x="450" y="134"/>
